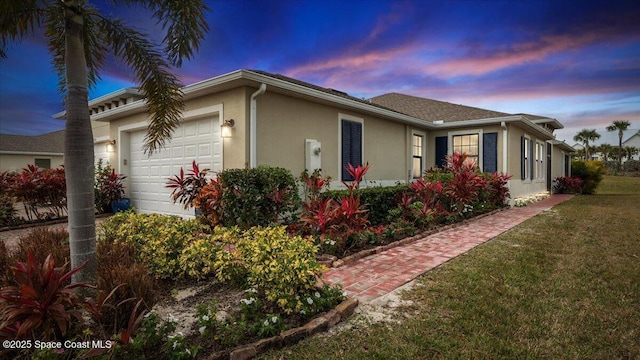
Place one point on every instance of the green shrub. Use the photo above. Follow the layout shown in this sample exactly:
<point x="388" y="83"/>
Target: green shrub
<point x="590" y="172"/>
<point x="281" y="267"/>
<point x="158" y="240"/>
<point x="6" y="261"/>
<point x="257" y="196"/>
<point x="378" y="200"/>
<point x="631" y="165"/>
<point x="8" y="212"/>
<point x="198" y="259"/>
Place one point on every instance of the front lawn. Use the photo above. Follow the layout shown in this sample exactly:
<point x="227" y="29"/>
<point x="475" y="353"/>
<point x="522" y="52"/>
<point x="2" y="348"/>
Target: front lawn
<point x="565" y="284"/>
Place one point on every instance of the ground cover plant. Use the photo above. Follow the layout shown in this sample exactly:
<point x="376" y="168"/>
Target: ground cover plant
<point x="564" y="284"/>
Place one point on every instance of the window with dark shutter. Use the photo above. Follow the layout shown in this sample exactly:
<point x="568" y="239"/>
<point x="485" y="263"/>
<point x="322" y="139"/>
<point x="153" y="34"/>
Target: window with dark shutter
<point x="351" y="146"/>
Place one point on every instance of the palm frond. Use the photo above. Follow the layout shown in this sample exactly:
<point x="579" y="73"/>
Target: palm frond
<point x="94" y="46"/>
<point x="184" y="22"/>
<point x="17" y="19"/>
<point x="161" y="87"/>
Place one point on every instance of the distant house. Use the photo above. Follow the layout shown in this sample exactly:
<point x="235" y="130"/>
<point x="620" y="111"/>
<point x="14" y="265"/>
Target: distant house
<point x="18" y="151"/>
<point x="270" y="119"/>
<point x="633" y="141"/>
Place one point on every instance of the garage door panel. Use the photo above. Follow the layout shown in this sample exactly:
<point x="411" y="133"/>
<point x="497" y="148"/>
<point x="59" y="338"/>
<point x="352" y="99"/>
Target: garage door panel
<point x="194" y="140"/>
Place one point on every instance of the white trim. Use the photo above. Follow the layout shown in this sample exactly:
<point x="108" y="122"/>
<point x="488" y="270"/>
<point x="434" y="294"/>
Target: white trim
<point x="527" y="165"/>
<point x="479" y="132"/>
<point x="347" y="117"/>
<point x="424" y="151"/>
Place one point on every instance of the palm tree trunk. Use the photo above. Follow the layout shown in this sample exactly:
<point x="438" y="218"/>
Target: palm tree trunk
<point x="78" y="151"/>
<point x="620" y="134"/>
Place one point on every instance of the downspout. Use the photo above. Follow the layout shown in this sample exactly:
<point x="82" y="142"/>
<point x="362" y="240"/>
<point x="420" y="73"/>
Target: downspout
<point x="505" y="148"/>
<point x="252" y="126"/>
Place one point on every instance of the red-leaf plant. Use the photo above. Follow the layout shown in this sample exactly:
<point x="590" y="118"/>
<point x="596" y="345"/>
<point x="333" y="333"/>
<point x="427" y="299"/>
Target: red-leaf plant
<point x="466" y="183"/>
<point x="334" y="220"/>
<point x="43" y="304"/>
<point x="186" y="188"/>
<point x="209" y="201"/>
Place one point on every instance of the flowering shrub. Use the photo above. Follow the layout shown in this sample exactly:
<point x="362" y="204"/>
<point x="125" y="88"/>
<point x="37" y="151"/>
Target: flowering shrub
<point x="567" y="185"/>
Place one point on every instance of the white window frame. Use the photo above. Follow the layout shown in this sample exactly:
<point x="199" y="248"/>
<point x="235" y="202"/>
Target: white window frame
<point x="424" y="151"/>
<point x="539" y="160"/>
<point x="347" y="117"/>
<point x="527" y="158"/>
<point x="479" y="132"/>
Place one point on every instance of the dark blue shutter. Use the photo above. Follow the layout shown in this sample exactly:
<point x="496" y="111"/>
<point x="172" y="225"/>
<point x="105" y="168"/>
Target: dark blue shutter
<point x="532" y="163"/>
<point x="441" y="150"/>
<point x="522" y="160"/>
<point x="351" y="146"/>
<point x="490" y="152"/>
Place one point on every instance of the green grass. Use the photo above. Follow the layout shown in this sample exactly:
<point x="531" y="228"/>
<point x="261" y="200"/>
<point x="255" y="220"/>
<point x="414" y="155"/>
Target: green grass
<point x="565" y="284"/>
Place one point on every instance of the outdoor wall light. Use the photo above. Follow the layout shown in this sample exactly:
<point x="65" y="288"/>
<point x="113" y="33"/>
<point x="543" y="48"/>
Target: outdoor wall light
<point x="111" y="146"/>
<point x="225" y="128"/>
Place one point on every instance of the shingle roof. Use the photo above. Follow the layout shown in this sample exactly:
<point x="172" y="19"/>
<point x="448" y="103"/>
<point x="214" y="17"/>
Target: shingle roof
<point x="326" y="90"/>
<point x="52" y="142"/>
<point x="433" y="110"/>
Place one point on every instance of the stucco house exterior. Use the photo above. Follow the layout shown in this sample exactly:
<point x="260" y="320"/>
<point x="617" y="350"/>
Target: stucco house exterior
<point x="18" y="151"/>
<point x="279" y="121"/>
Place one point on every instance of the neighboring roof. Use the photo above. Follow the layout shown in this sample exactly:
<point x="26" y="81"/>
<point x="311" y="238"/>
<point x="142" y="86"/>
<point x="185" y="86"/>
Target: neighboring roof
<point x="433" y="110"/>
<point x="50" y="143"/>
<point x="631" y="137"/>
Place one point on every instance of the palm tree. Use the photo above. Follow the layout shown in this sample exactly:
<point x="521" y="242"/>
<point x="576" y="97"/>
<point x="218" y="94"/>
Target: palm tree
<point x="630" y="152"/>
<point x="79" y="39"/>
<point x="605" y="150"/>
<point x="585" y="136"/>
<point x="621" y="126"/>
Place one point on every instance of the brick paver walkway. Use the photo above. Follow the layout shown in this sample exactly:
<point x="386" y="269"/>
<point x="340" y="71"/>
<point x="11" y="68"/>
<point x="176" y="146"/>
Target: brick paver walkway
<point x="11" y="237"/>
<point x="376" y="275"/>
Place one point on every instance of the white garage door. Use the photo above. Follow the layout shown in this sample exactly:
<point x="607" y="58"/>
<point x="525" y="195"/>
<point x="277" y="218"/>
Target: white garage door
<point x="197" y="140"/>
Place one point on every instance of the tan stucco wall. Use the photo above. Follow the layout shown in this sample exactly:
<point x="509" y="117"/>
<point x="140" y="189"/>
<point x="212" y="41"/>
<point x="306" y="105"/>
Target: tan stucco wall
<point x="519" y="187"/>
<point x="15" y="163"/>
<point x="234" y="105"/>
<point x="283" y="124"/>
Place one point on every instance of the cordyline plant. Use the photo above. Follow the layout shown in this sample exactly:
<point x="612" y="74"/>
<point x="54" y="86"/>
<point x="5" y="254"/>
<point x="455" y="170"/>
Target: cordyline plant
<point x="43" y="304"/>
<point x="187" y="188"/>
<point x="334" y="220"/>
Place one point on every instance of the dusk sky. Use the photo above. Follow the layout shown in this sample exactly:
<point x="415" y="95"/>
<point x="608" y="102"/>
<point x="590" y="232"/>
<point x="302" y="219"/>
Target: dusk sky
<point x="576" y="61"/>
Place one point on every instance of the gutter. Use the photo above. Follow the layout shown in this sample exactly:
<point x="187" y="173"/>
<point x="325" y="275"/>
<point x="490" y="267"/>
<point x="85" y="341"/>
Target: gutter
<point x="252" y="125"/>
<point x="505" y="149"/>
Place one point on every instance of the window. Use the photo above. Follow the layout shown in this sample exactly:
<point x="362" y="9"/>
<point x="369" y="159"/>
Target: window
<point x="539" y="170"/>
<point x="42" y="163"/>
<point x="417" y="152"/>
<point x="525" y="167"/>
<point x="351" y="146"/>
<point x="467" y="143"/>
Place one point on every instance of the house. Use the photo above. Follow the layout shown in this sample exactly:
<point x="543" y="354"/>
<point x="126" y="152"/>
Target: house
<point x="270" y="119"/>
<point x="633" y="141"/>
<point x="45" y="151"/>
